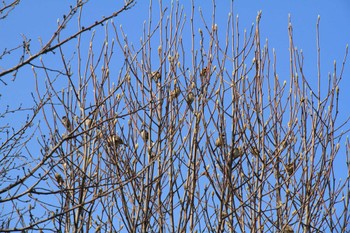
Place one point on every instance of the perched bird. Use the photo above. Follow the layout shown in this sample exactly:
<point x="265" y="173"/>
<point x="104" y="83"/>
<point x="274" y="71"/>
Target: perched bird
<point x="290" y="167"/>
<point x="232" y="155"/>
<point x="66" y="123"/>
<point x="118" y="140"/>
<point x="287" y="229"/>
<point x="88" y="122"/>
<point x="98" y="229"/>
<point x="190" y="97"/>
<point x="115" y="141"/>
<point x="219" y="141"/>
<point x="155" y="75"/>
<point x="144" y="135"/>
<point x="58" y="178"/>
<point x="99" y="133"/>
<point x="204" y="72"/>
<point x="237" y="152"/>
<point x="176" y="92"/>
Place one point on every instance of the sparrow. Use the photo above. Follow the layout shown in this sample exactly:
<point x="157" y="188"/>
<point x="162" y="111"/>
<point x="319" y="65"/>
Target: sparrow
<point x="58" y="178"/>
<point x="237" y="152"/>
<point x="176" y="92"/>
<point x="255" y="151"/>
<point x="88" y="122"/>
<point x="115" y="140"/>
<point x="144" y="135"/>
<point x="234" y="154"/>
<point x="155" y="75"/>
<point x="219" y="141"/>
<point x="99" y="133"/>
<point x="290" y="167"/>
<point x="66" y="123"/>
<point x="204" y="72"/>
<point x="190" y="97"/>
<point x="288" y="229"/>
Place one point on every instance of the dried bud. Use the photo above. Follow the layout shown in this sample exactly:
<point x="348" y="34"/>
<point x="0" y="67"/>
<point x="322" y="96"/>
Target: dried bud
<point x="76" y="119"/>
<point x="88" y="122"/>
<point x="99" y="133"/>
<point x="255" y="151"/>
<point x="171" y="58"/>
<point x="160" y="50"/>
<point x="127" y="77"/>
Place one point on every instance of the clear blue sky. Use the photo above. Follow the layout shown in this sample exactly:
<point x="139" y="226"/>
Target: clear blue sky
<point x="41" y="21"/>
<point x="38" y="19"/>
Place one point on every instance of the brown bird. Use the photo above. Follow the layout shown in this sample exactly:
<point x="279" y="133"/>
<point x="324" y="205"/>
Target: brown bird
<point x="290" y="167"/>
<point x="155" y="75"/>
<point x="66" y="123"/>
<point x="255" y="151"/>
<point x="88" y="122"/>
<point x="204" y="72"/>
<point x="115" y="141"/>
<point x="237" y="152"/>
<point x="219" y="141"/>
<point x="144" y="135"/>
<point x="288" y="229"/>
<point x="176" y="92"/>
<point x="58" y="178"/>
<point x="190" y="97"/>
<point x="118" y="140"/>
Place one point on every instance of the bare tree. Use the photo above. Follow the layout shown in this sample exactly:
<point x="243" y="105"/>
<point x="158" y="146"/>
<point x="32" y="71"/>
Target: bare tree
<point x="186" y="131"/>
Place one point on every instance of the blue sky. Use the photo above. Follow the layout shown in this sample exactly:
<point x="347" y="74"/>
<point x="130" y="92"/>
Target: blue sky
<point x="41" y="21"/>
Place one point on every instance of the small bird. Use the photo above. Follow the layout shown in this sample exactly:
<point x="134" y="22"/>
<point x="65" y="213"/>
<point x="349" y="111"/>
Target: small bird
<point x="155" y="75"/>
<point x="190" y="97"/>
<point x="115" y="141"/>
<point x="58" y="178"/>
<point x="176" y="92"/>
<point x="288" y="229"/>
<point x="204" y="72"/>
<point x="88" y="122"/>
<point x="290" y="167"/>
<point x="237" y="152"/>
<point x="144" y="135"/>
<point x="99" y="133"/>
<point x="66" y="123"/>
<point x="219" y="141"/>
<point x="234" y="153"/>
